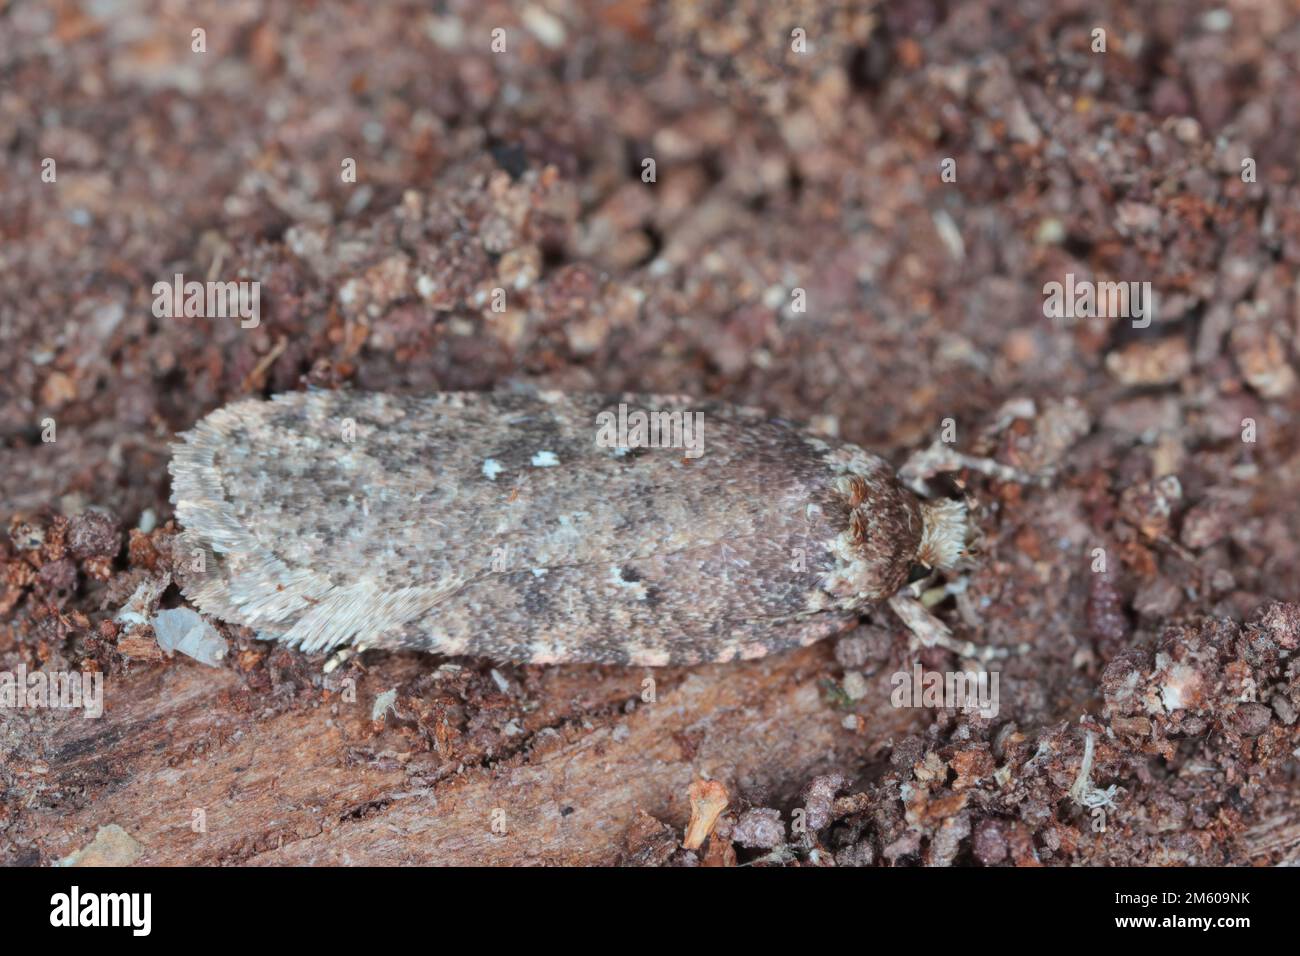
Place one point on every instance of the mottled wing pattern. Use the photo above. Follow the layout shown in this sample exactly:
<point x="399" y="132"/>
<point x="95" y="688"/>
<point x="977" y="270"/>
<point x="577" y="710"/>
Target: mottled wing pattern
<point x="495" y="525"/>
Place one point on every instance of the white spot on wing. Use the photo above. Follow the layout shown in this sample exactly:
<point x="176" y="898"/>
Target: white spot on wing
<point x="636" y="587"/>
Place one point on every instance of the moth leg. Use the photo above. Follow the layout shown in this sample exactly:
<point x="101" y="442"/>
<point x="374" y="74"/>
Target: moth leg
<point x="340" y="656"/>
<point x="932" y="632"/>
<point x="930" y="593"/>
<point x="940" y="457"/>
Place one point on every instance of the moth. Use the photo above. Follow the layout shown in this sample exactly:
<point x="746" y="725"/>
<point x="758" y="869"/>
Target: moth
<point x="546" y="528"/>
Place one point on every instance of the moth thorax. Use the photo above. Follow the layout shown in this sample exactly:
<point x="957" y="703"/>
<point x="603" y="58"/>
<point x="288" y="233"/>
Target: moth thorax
<point x="884" y="531"/>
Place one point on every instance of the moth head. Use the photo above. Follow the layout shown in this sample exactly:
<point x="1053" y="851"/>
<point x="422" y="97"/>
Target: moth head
<point x="876" y="550"/>
<point x="945" y="529"/>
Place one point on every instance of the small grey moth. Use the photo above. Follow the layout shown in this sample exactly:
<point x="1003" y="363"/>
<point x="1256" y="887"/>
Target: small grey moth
<point x="510" y="527"/>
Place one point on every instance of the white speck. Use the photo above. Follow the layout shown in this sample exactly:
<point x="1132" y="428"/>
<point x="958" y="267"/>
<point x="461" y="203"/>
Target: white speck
<point x="855" y="685"/>
<point x="949" y="234"/>
<point x="491" y="468"/>
<point x="542" y="25"/>
<point x="447" y="32"/>
<point x="1050" y="232"/>
<point x="1216" y="21"/>
<point x="350" y="292"/>
<point x="1180" y="687"/>
<point x="1171" y="696"/>
<point x="539" y="572"/>
<point x="382" y="703"/>
<point x="545" y="459"/>
<point x="180" y="629"/>
<point x="148" y="520"/>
